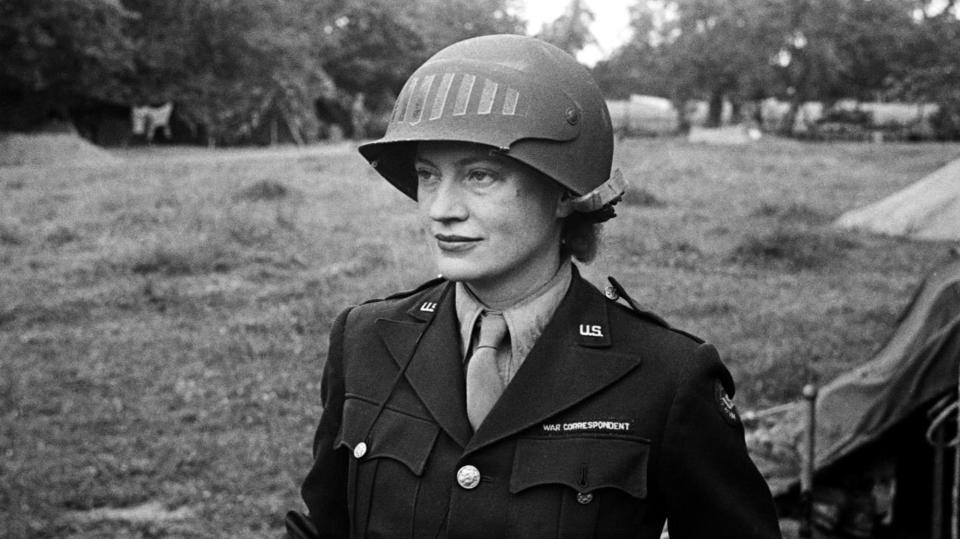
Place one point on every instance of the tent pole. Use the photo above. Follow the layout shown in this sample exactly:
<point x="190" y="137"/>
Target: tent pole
<point x="955" y="511"/>
<point x="806" y="476"/>
<point x="936" y="517"/>
<point x="941" y="413"/>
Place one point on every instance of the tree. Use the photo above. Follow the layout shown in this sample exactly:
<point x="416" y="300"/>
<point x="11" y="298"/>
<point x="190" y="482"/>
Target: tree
<point x="833" y="49"/>
<point x="444" y="22"/>
<point x="231" y="64"/>
<point x="872" y="40"/>
<point x="743" y="50"/>
<point x="570" y="31"/>
<point x="706" y="49"/>
<point x="56" y="50"/>
<point x="934" y="75"/>
<point x="372" y="46"/>
<point x="719" y="50"/>
<point x="640" y="65"/>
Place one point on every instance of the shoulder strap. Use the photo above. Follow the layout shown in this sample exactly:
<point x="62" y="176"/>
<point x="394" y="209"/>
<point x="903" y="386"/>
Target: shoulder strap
<point x="616" y="291"/>
<point x="407" y="293"/>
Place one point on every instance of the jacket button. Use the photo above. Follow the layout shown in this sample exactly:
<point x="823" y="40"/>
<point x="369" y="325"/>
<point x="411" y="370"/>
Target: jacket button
<point x="584" y="498"/>
<point x="468" y="477"/>
<point x="360" y="450"/>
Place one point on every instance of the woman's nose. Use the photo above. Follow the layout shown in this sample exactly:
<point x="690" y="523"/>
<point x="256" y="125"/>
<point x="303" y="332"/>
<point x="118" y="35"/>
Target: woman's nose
<point x="445" y="203"/>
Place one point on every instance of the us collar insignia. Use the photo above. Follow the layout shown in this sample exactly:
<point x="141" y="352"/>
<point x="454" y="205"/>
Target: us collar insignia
<point x="593" y="335"/>
<point x="725" y="405"/>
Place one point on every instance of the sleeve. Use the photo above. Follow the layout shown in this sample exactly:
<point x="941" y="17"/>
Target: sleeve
<point x="325" y="489"/>
<point x="711" y="486"/>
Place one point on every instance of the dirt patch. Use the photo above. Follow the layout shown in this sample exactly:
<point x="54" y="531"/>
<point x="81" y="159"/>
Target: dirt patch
<point x="794" y="249"/>
<point x="733" y="135"/>
<point x="51" y="149"/>
<point x="263" y="190"/>
<point x="147" y="512"/>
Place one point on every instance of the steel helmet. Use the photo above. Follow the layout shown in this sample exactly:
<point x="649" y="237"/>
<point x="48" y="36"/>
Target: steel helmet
<point x="524" y="97"/>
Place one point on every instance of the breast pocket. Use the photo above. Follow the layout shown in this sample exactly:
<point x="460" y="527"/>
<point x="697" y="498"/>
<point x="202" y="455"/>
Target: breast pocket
<point x="595" y="485"/>
<point x="386" y="465"/>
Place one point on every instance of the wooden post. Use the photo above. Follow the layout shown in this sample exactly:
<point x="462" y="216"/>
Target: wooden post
<point x="936" y="516"/>
<point x="942" y="413"/>
<point x="809" y="454"/>
<point x="955" y="511"/>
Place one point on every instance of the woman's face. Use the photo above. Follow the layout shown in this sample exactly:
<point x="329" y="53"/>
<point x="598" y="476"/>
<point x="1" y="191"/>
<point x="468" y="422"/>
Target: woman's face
<point x="493" y="223"/>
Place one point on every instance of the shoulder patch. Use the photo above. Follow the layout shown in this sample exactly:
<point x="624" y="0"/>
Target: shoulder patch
<point x="725" y="405"/>
<point x="616" y="291"/>
<point x="407" y="293"/>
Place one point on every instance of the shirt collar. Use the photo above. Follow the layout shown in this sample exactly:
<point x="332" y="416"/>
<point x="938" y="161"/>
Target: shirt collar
<point x="525" y="319"/>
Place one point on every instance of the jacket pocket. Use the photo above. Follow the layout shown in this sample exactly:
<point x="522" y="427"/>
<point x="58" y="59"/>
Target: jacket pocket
<point x="598" y="484"/>
<point x="584" y="464"/>
<point x="396" y="435"/>
<point x="387" y="461"/>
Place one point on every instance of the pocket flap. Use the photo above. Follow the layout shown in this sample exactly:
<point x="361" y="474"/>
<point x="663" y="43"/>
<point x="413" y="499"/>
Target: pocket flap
<point x="395" y="435"/>
<point x="582" y="463"/>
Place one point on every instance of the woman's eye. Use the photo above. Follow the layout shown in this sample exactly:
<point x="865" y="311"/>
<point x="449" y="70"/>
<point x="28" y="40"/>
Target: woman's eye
<point x="426" y="175"/>
<point x="481" y="177"/>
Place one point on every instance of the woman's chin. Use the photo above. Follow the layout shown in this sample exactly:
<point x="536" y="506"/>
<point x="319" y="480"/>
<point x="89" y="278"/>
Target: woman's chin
<point x="458" y="270"/>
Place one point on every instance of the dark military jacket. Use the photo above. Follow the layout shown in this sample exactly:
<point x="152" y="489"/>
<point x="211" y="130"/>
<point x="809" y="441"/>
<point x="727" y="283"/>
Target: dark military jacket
<point x="613" y="424"/>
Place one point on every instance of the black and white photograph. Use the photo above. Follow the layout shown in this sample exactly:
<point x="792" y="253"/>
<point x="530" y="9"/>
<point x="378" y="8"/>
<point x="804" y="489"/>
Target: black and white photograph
<point x="310" y="269"/>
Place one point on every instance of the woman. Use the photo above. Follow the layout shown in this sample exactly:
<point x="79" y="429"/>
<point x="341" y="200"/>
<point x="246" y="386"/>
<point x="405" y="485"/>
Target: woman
<point x="511" y="397"/>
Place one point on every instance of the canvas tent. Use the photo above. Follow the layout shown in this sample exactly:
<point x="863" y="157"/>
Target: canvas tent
<point x="643" y="115"/>
<point x="872" y="420"/>
<point x="928" y="209"/>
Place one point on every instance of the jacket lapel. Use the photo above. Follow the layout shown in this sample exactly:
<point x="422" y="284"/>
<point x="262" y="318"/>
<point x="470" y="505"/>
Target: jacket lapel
<point x="568" y="364"/>
<point x="435" y="372"/>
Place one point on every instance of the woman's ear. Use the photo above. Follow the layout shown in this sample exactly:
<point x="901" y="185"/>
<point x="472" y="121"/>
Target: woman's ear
<point x="565" y="204"/>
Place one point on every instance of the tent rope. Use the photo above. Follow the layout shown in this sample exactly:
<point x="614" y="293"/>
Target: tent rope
<point x="955" y="512"/>
<point x="940" y="421"/>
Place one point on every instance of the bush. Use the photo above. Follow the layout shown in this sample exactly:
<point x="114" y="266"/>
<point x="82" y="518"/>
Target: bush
<point x="184" y="259"/>
<point x="796" y="213"/>
<point x="946" y="122"/>
<point x="263" y="190"/>
<point x="794" y="249"/>
<point x="11" y="235"/>
<point x="60" y="236"/>
<point x="847" y="116"/>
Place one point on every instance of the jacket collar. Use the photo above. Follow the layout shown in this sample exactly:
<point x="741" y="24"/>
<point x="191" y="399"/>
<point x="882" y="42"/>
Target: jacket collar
<point x="570" y="362"/>
<point x="435" y="370"/>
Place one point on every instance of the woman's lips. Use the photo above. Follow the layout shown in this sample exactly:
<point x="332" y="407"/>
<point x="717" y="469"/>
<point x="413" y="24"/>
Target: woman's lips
<point x="454" y="244"/>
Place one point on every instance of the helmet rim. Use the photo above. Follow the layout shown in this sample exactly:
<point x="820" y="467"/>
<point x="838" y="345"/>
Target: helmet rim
<point x="517" y="94"/>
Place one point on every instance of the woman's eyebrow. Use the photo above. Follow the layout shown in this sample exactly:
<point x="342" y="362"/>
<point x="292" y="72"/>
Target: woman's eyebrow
<point x="467" y="161"/>
<point x="460" y="163"/>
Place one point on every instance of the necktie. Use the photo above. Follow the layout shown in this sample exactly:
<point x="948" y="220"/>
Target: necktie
<point x="484" y="384"/>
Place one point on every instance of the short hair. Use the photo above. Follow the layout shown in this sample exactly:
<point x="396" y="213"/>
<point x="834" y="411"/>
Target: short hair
<point x="580" y="237"/>
<point x="579" y="232"/>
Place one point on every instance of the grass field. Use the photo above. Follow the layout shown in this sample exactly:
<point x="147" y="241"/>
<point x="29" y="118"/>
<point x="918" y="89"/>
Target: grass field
<point x="163" y="321"/>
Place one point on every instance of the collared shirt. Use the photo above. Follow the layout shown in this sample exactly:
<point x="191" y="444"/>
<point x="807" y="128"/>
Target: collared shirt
<point x="525" y="319"/>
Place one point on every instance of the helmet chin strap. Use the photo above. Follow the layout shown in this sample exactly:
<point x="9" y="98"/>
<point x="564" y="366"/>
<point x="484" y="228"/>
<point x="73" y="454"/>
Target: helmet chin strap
<point x="605" y="193"/>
